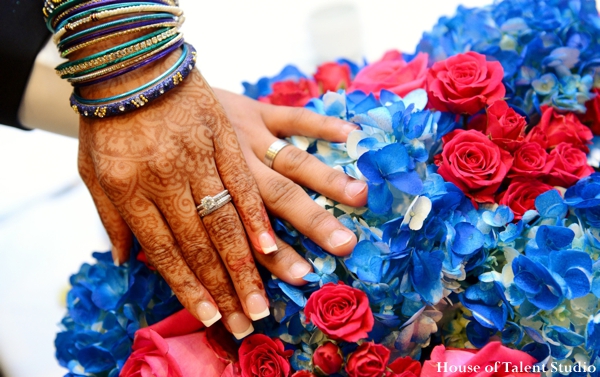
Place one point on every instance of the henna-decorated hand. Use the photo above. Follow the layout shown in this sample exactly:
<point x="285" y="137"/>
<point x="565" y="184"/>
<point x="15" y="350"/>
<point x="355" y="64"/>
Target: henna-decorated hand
<point x="148" y="170"/>
<point x="258" y="125"/>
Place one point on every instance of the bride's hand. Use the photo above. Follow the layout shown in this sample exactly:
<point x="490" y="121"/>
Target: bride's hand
<point x="148" y="170"/>
<point x="258" y="125"/>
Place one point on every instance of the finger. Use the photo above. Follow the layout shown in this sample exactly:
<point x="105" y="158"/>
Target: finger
<point x="288" y="201"/>
<point x="179" y="211"/>
<point x="164" y="254"/>
<point x="307" y="170"/>
<point x="285" y="121"/>
<point x="286" y="264"/>
<point x="227" y="235"/>
<point x="118" y="231"/>
<point x="236" y="177"/>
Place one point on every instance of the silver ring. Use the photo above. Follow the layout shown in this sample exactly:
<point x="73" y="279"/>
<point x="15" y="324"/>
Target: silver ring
<point x="275" y="148"/>
<point x="209" y="204"/>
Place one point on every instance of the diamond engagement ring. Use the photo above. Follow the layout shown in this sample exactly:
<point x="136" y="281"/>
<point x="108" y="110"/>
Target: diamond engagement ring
<point x="209" y="204"/>
<point x="275" y="148"/>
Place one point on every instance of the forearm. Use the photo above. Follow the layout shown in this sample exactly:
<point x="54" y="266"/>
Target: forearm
<point x="45" y="102"/>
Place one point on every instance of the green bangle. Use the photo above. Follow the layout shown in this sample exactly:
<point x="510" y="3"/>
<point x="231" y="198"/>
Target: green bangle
<point x="113" y="24"/>
<point x="110" y="50"/>
<point x="110" y="59"/>
<point x="136" y="90"/>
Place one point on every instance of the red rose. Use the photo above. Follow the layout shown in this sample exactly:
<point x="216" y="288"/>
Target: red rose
<point x="570" y="165"/>
<point x="566" y="128"/>
<point x="520" y="195"/>
<point x="392" y="73"/>
<point x="465" y="83"/>
<point x="340" y="311"/>
<point x="591" y="118"/>
<point x="404" y="367"/>
<point x="536" y="135"/>
<point x="303" y="373"/>
<point x="174" y="347"/>
<point x="500" y="360"/>
<point x="292" y="93"/>
<point x="261" y="356"/>
<point x="332" y="77"/>
<point x="328" y="359"/>
<point x="473" y="163"/>
<point x="369" y="360"/>
<point x="504" y="125"/>
<point x="531" y="160"/>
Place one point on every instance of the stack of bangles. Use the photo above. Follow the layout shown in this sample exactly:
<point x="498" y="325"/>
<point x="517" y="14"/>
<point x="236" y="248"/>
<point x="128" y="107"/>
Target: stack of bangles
<point x="158" y="21"/>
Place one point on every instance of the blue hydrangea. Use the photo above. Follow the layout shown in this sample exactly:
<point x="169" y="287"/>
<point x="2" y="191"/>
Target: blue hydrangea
<point x="106" y="305"/>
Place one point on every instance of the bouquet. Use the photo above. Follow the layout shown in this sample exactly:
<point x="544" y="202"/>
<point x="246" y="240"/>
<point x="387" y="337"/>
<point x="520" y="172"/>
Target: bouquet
<point x="478" y="249"/>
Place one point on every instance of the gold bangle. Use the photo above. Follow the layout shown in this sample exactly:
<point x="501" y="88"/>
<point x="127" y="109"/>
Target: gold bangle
<point x="115" y="12"/>
<point x="56" y="21"/>
<point x="125" y="64"/>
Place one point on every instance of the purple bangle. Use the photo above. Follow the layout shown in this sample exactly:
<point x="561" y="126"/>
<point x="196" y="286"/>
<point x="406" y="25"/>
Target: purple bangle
<point x="137" y="100"/>
<point x="115" y="29"/>
<point x="99" y="4"/>
<point x="131" y="68"/>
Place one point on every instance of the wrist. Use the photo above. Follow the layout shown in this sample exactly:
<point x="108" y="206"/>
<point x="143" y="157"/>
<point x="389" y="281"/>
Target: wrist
<point x="129" y="80"/>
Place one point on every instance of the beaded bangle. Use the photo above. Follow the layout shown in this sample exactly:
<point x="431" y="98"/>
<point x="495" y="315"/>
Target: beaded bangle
<point x="52" y="7"/>
<point x="120" y="31"/>
<point x="125" y="66"/>
<point x="70" y="26"/>
<point x="92" y="5"/>
<point x="112" y="26"/>
<point x="106" y="107"/>
<point x="116" y="54"/>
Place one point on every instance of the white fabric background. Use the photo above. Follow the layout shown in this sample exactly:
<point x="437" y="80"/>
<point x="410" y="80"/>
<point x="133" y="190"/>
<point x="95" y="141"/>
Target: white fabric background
<point x="48" y="224"/>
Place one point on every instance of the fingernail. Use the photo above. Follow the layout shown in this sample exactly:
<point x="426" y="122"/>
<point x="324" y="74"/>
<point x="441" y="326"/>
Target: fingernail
<point x="208" y="313"/>
<point x="257" y="306"/>
<point x="267" y="243"/>
<point x="299" y="270"/>
<point x="349" y="127"/>
<point x="340" y="237"/>
<point x="115" y="257"/>
<point x="240" y="325"/>
<point x="354" y="188"/>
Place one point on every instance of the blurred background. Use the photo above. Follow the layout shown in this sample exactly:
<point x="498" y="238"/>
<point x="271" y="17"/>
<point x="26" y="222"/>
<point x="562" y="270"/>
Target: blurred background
<point x="48" y="223"/>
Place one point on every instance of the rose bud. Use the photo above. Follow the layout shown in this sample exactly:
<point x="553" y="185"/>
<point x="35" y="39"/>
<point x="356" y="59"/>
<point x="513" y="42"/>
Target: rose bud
<point x="328" y="359"/>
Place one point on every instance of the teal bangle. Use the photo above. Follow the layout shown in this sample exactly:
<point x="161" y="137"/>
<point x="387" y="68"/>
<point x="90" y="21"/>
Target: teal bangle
<point x="110" y="24"/>
<point x="101" y="54"/>
<point x="96" y="10"/>
<point x="132" y="55"/>
<point x="136" y="90"/>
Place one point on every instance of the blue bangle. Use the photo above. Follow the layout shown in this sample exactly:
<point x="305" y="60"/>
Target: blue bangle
<point x="137" y="98"/>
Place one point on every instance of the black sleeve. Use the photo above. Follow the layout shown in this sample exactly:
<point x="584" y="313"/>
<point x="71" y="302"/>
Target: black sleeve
<point x="22" y="35"/>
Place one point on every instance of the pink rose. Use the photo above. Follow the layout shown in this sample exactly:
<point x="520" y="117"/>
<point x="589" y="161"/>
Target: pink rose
<point x="261" y="356"/>
<point x="340" y="311"/>
<point x="465" y="83"/>
<point x="175" y="348"/>
<point x="500" y="361"/>
<point x="532" y="161"/>
<point x="570" y="165"/>
<point x="476" y="165"/>
<point x="332" y="77"/>
<point x="369" y="360"/>
<point x="292" y="93"/>
<point x="392" y="73"/>
<point x="328" y="359"/>
<point x="564" y="128"/>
